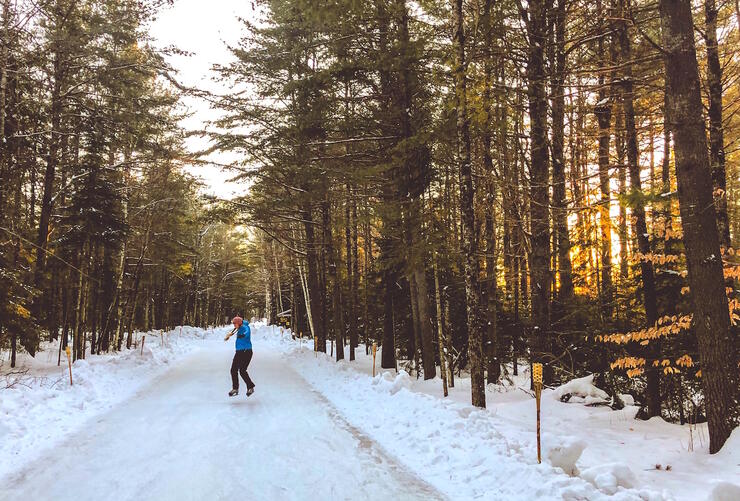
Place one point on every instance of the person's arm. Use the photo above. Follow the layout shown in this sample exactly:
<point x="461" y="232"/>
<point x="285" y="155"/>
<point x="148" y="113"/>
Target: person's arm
<point x="230" y="334"/>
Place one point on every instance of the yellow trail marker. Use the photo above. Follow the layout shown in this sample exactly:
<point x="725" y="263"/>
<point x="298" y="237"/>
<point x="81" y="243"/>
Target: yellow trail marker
<point x="375" y="350"/>
<point x="69" y="362"/>
<point x="537" y="380"/>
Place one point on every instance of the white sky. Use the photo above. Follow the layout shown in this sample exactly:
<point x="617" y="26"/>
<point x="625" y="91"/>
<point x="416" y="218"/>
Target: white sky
<point x="203" y="28"/>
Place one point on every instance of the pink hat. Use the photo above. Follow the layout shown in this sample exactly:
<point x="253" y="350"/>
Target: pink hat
<point x="237" y="320"/>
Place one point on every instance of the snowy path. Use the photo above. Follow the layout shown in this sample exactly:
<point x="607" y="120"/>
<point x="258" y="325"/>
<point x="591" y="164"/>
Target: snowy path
<point x="184" y="439"/>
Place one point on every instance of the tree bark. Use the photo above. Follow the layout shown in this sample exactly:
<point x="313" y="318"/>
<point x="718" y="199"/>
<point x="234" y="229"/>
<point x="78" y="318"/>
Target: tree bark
<point x="716" y="127"/>
<point x="470" y="248"/>
<point x="351" y="244"/>
<point x="4" y="51"/>
<point x="539" y="184"/>
<point x="560" y="210"/>
<point x="440" y="329"/>
<point x="603" y="112"/>
<point x="643" y="243"/>
<point x="388" y="356"/>
<point x="336" y="286"/>
<point x="717" y="349"/>
<point x="316" y="296"/>
<point x="488" y="299"/>
<point x="622" y="177"/>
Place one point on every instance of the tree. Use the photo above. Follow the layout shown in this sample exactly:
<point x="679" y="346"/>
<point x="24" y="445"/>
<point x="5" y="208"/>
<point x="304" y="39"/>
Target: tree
<point x="700" y="234"/>
<point x="536" y="22"/>
<point x="716" y="127"/>
<point x="469" y="237"/>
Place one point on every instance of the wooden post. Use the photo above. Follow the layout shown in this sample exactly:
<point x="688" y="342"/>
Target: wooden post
<point x="69" y="362"/>
<point x="143" y="338"/>
<point x="316" y="346"/>
<point x="537" y="379"/>
<point x="375" y="350"/>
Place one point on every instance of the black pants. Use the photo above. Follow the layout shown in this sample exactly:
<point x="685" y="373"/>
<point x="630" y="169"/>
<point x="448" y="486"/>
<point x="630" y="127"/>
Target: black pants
<point x="239" y="365"/>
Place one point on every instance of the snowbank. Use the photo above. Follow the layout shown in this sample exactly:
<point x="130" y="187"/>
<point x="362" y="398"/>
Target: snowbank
<point x="724" y="491"/>
<point x="609" y="477"/>
<point x="387" y="382"/>
<point x="564" y="455"/>
<point x="42" y="408"/>
<point x="455" y="447"/>
<point x="589" y="452"/>
<point x="581" y="390"/>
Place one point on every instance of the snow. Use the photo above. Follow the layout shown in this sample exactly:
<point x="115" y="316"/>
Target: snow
<point x="564" y="455"/>
<point x="42" y="407"/>
<point x="609" y="477"/>
<point x="184" y="439"/>
<point x="627" y="399"/>
<point x="468" y="453"/>
<point x="324" y="430"/>
<point x="581" y="390"/>
<point x="386" y="382"/>
<point x="724" y="491"/>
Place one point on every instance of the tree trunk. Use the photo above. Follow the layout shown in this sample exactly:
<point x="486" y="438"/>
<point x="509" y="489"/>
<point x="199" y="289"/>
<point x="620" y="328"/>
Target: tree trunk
<point x="440" y="330"/>
<point x="622" y="177"/>
<point x="78" y="306"/>
<point x="4" y="51"/>
<point x="351" y="266"/>
<point x="716" y="128"/>
<point x="470" y="247"/>
<point x="336" y="286"/>
<point x="316" y="296"/>
<point x="488" y="299"/>
<point x="717" y="349"/>
<point x="539" y="181"/>
<point x="388" y="359"/>
<point x="419" y="288"/>
<point x="560" y="210"/>
<point x="51" y="165"/>
<point x="638" y="211"/>
<point x="414" y="341"/>
<point x="603" y="112"/>
<point x="367" y="248"/>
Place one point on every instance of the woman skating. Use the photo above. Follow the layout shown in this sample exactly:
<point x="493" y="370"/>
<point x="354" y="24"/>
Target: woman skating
<point x="242" y="357"/>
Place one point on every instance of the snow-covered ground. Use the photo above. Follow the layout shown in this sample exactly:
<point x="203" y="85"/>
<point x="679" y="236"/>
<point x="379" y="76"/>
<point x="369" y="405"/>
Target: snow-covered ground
<point x="181" y="438"/>
<point x="41" y="408"/>
<point x="159" y="426"/>
<point x="491" y="454"/>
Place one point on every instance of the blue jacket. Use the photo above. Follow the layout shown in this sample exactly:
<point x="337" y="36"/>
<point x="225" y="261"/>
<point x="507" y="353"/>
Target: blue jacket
<point x="244" y="337"/>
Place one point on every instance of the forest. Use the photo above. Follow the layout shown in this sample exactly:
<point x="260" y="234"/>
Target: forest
<point x="474" y="186"/>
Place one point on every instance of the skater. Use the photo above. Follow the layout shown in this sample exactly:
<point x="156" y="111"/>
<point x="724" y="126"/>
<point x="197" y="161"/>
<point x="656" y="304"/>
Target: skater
<point x="242" y="357"/>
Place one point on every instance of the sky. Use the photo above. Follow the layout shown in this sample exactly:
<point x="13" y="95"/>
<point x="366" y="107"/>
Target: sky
<point x="203" y="28"/>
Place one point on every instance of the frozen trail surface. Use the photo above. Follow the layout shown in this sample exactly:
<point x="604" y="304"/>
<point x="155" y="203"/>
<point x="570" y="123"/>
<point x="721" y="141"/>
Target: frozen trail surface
<point x="182" y="438"/>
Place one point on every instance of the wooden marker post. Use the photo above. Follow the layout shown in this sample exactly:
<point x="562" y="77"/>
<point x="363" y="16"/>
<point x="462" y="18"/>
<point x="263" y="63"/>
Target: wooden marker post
<point x="143" y="338"/>
<point x="316" y="346"/>
<point x="375" y="350"/>
<point x="69" y="362"/>
<point x="537" y="380"/>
